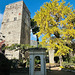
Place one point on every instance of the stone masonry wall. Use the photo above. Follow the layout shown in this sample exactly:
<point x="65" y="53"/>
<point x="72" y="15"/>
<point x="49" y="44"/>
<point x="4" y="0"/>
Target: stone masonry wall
<point x="25" y="28"/>
<point x="13" y="24"/>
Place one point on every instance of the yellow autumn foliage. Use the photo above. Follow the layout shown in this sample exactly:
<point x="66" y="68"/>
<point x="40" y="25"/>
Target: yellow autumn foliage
<point x="56" y="17"/>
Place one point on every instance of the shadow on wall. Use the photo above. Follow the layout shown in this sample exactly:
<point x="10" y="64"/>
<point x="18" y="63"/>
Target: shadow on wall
<point x="4" y="65"/>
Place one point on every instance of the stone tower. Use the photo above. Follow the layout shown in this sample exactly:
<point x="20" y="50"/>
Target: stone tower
<point x="16" y="23"/>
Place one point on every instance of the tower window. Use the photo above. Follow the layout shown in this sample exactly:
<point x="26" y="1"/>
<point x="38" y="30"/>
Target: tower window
<point x="0" y="33"/>
<point x="9" y="32"/>
<point x="7" y="20"/>
<point x="1" y="39"/>
<point x="3" y="36"/>
<point x="15" y="18"/>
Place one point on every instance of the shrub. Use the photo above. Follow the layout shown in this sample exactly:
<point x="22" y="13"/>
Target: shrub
<point x="72" y="59"/>
<point x="68" y="65"/>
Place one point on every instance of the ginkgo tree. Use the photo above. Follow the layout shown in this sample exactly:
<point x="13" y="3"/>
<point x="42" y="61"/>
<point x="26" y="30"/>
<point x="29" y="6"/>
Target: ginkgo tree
<point x="56" y="18"/>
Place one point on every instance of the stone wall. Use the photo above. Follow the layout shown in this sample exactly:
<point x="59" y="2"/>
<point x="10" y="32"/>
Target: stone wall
<point x="33" y="43"/>
<point x="12" y="54"/>
<point x="14" y="22"/>
<point x="25" y="28"/>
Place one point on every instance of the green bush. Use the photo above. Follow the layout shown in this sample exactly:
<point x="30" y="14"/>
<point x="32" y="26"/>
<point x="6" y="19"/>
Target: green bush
<point x="68" y="65"/>
<point x="72" y="59"/>
<point x="37" y="60"/>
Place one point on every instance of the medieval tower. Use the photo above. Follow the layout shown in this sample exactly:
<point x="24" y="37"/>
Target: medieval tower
<point x="16" y="24"/>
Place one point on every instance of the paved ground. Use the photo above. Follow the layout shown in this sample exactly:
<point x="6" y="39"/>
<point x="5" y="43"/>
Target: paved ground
<point x="60" y="73"/>
<point x="57" y="71"/>
<point x="18" y="74"/>
<point x="53" y="71"/>
<point x="49" y="73"/>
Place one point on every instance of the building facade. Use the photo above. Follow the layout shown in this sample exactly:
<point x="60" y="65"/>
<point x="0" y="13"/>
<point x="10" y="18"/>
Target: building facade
<point x="16" y="24"/>
<point x="33" y="43"/>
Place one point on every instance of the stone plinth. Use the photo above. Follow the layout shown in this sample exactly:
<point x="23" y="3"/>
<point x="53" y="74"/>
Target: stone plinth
<point x="41" y="52"/>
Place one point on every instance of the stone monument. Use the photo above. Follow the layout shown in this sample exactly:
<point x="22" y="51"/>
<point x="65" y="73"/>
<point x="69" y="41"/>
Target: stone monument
<point x="41" y="52"/>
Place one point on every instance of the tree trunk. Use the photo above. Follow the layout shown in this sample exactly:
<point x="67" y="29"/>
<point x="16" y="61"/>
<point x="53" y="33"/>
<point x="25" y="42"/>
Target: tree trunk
<point x="49" y="60"/>
<point x="37" y="40"/>
<point x="61" y="60"/>
<point x="71" y="54"/>
<point x="51" y="56"/>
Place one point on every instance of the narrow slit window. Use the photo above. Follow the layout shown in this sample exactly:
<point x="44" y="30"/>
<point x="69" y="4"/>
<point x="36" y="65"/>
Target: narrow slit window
<point x="15" y="18"/>
<point x="9" y="32"/>
<point x="7" y="20"/>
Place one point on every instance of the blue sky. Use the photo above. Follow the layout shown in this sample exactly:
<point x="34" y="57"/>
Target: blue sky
<point x="33" y="6"/>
